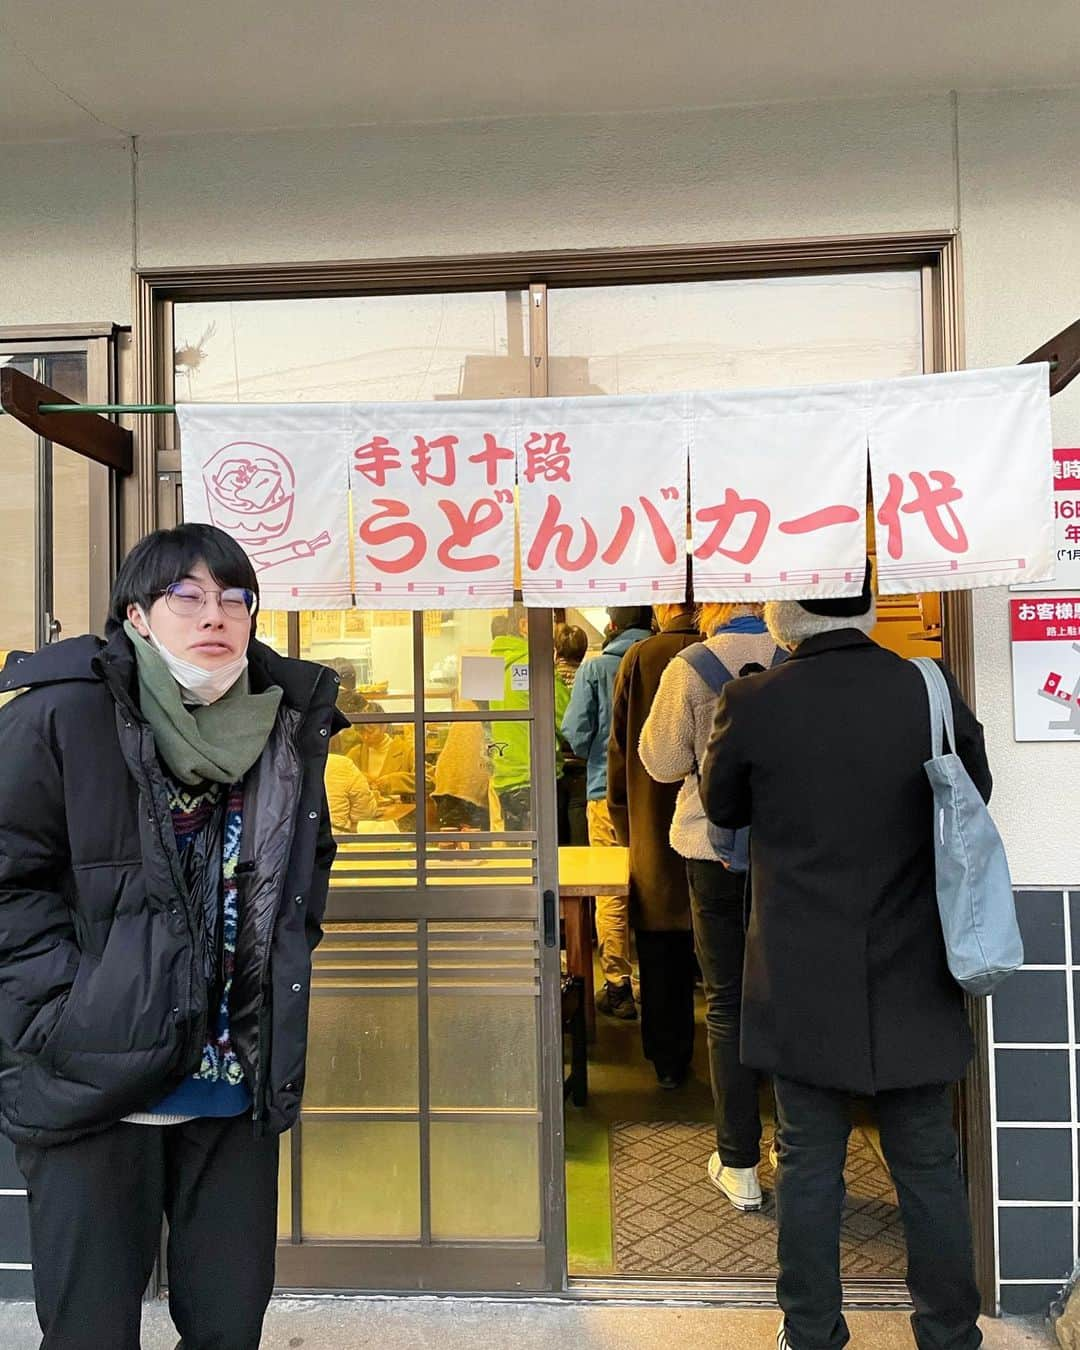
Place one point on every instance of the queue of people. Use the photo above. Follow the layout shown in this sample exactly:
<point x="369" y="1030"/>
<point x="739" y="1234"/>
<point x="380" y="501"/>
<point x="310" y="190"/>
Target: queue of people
<point x="586" y="725"/>
<point x="781" y="750"/>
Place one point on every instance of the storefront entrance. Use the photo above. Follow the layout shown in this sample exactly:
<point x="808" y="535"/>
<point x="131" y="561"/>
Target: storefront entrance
<point x="430" y="1153"/>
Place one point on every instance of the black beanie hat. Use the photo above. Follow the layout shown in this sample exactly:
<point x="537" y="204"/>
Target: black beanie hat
<point x="845" y="607"/>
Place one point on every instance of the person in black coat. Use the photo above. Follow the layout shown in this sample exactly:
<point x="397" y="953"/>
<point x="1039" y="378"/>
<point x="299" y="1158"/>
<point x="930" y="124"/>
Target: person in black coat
<point x="165" y="850"/>
<point x="846" y="989"/>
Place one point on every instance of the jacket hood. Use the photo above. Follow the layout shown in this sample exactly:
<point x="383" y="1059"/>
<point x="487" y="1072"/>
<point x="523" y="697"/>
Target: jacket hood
<point x="622" y="642"/>
<point x="90" y="658"/>
<point x="72" y="659"/>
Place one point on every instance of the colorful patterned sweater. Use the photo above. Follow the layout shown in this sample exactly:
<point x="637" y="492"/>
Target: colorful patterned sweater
<point x="217" y="1088"/>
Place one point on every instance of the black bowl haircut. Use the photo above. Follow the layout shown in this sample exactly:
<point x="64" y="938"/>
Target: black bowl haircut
<point x="160" y="559"/>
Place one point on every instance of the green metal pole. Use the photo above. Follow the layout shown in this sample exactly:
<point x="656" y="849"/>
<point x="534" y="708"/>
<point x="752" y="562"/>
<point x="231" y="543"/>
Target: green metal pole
<point x="106" y="407"/>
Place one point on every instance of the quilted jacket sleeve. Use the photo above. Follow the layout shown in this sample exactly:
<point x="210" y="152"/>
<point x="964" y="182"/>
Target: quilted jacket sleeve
<point x="38" y="950"/>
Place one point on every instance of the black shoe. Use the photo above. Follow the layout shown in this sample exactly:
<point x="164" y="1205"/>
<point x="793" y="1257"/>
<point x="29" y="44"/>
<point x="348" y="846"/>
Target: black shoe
<point x="669" y="1080"/>
<point x="617" y="1000"/>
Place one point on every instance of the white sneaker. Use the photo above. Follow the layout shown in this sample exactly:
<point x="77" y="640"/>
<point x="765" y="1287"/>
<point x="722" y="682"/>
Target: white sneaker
<point x="782" y="1342"/>
<point x="739" y="1184"/>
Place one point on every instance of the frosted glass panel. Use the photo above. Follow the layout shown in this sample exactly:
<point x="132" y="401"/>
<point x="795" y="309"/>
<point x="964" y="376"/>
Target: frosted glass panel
<point x="483" y="1050"/>
<point x="362" y="1050"/>
<point x="362" y="1041"/>
<point x="485" y="1180"/>
<point x="361" y="1180"/>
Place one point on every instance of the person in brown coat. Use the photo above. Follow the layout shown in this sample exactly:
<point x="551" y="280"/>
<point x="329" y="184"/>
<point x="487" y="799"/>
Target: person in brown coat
<point x="641" y="812"/>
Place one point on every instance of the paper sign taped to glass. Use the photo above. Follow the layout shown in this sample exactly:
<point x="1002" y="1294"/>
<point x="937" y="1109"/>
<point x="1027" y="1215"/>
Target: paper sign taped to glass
<point x="415" y="506"/>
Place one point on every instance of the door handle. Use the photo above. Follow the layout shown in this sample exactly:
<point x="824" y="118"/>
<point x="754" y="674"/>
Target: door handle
<point x="551" y="920"/>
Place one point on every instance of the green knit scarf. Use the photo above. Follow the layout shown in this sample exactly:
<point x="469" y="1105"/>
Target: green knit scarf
<point x="217" y="742"/>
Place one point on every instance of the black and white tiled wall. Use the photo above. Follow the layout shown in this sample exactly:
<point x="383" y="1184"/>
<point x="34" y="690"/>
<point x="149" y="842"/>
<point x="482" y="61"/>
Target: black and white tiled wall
<point x="1034" y="1025"/>
<point x="15" y="1277"/>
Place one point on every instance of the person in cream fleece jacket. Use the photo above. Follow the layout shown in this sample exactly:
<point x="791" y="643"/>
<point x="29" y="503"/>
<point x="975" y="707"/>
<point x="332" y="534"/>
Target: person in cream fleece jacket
<point x="672" y="747"/>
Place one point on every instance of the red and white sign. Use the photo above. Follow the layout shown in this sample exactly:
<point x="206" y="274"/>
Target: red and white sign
<point x="411" y="506"/>
<point x="1066" y="525"/>
<point x="433" y="504"/>
<point x="602" y="493"/>
<point x="778" y="487"/>
<point x="1046" y="667"/>
<point x="961" y="473"/>
<point x="274" y="477"/>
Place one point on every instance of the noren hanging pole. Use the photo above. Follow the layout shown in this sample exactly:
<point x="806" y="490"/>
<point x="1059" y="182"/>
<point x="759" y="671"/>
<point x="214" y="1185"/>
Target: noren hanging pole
<point x="107" y="407"/>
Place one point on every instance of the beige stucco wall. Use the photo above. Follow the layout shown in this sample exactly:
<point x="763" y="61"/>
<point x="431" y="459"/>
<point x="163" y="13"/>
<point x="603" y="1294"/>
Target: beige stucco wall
<point x="66" y="215"/>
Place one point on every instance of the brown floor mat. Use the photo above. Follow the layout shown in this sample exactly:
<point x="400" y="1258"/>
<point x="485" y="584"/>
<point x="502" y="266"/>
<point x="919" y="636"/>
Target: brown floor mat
<point x="670" y="1220"/>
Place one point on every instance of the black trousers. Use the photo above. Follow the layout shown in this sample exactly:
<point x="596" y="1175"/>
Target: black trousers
<point x="919" y="1143"/>
<point x="95" y="1225"/>
<point x="666" y="971"/>
<point x="571" y="798"/>
<point x="716" y="905"/>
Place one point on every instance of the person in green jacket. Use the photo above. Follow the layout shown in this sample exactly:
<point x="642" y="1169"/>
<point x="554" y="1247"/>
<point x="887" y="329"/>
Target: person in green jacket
<point x="511" y="761"/>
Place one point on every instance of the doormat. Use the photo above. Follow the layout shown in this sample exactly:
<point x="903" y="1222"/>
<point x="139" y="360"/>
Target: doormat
<point x="669" y="1219"/>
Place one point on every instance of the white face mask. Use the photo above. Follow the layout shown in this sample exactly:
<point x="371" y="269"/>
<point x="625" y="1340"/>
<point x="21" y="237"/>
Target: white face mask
<point x="201" y="686"/>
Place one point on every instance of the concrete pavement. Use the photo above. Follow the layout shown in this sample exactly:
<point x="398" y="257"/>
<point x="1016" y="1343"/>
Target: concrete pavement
<point x="465" y="1324"/>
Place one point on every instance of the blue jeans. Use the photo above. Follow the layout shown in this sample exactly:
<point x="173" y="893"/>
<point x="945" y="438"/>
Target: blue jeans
<point x="716" y="906"/>
<point x="919" y="1143"/>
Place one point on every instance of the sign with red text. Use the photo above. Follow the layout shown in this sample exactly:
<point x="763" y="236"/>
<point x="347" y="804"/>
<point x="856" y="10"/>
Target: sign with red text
<point x="778" y="488"/>
<point x="1046" y="667"/>
<point x="961" y="471"/>
<point x="433" y="504"/>
<point x="602" y="496"/>
<point x="274" y="477"/>
<point x="1066" y="525"/>
<point x="414" y="505"/>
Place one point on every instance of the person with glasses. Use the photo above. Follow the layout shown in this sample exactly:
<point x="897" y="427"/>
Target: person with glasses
<point x="165" y="849"/>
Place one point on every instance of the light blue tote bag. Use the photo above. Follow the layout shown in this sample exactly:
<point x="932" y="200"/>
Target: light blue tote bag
<point x="974" y="890"/>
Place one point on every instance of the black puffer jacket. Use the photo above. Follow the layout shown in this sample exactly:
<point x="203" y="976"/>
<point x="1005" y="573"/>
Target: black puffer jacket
<point x="103" y="996"/>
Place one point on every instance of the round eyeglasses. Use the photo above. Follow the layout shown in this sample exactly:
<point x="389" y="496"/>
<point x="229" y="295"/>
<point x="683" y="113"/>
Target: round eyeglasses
<point x="187" y="598"/>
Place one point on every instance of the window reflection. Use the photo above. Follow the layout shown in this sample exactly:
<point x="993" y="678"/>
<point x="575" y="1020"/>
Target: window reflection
<point x="371" y="650"/>
<point x="371" y="776"/>
<point x="460" y="757"/>
<point x="737" y="334"/>
<point x="272" y="627"/>
<point x="389" y="348"/>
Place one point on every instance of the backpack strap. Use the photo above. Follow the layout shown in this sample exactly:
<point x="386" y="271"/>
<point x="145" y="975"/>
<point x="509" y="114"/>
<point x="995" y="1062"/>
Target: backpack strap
<point x="705" y="663"/>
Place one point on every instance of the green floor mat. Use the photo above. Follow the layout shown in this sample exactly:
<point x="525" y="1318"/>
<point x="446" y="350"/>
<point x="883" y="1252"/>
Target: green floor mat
<point x="588" y="1195"/>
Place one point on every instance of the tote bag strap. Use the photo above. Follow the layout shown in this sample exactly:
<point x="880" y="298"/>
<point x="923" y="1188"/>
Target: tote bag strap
<point x="941" y="714"/>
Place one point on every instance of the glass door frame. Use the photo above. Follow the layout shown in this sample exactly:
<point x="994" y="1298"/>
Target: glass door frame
<point x="479" y="1264"/>
<point x="98" y="344"/>
<point x="937" y="253"/>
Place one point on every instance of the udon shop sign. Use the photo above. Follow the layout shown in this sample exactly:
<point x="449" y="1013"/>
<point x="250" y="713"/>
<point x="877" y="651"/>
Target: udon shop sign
<point x="417" y="506"/>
